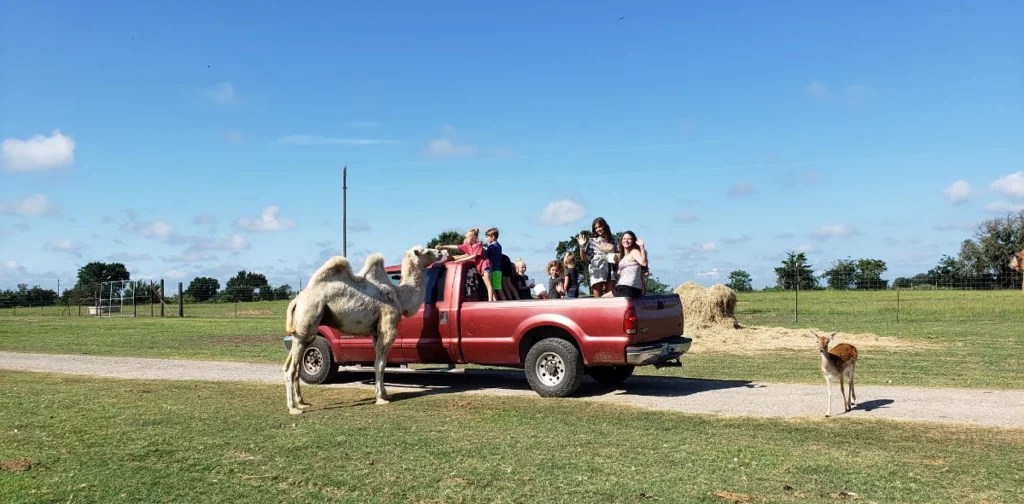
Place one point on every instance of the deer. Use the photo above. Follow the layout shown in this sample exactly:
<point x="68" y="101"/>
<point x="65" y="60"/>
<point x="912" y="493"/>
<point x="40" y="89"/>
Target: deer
<point x="839" y="362"/>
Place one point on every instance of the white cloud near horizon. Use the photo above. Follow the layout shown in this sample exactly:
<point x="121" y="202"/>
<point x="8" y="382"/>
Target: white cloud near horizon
<point x="1011" y="185"/>
<point x="38" y="153"/>
<point x="323" y="140"/>
<point x="833" y="231"/>
<point x="66" y="246"/>
<point x="32" y="206"/>
<point x="158" y="229"/>
<point x="741" y="189"/>
<point x="443" y="146"/>
<point x="267" y="222"/>
<point x="958" y="192"/>
<point x="562" y="212"/>
<point x="1003" y="207"/>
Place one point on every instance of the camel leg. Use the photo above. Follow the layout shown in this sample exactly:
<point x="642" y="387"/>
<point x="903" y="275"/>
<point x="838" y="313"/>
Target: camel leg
<point x="301" y="403"/>
<point x="291" y="374"/>
<point x="828" y="387"/>
<point x="387" y="332"/>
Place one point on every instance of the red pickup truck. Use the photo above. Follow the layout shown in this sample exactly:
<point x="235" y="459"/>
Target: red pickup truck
<point x="555" y="341"/>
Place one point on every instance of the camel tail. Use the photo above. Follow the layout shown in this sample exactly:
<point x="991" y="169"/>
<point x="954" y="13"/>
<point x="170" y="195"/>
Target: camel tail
<point x="289" y="327"/>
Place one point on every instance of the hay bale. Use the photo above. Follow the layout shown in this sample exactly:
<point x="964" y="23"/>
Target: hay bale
<point x="704" y="308"/>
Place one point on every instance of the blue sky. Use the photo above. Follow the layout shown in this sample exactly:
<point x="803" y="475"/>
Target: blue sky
<point x="203" y="139"/>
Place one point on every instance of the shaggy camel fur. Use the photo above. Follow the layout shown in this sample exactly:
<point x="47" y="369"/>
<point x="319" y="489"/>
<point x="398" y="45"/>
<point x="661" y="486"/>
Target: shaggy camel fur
<point x="1017" y="264"/>
<point x="364" y="304"/>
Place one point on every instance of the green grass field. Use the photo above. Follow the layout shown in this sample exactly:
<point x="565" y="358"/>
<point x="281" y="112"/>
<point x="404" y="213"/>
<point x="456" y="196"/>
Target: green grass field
<point x="76" y="439"/>
<point x="976" y="337"/>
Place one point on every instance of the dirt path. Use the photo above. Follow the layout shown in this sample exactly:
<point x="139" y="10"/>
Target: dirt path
<point x="728" y="398"/>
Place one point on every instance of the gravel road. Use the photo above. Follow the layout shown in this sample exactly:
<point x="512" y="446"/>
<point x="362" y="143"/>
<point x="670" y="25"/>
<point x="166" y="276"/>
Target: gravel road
<point x="726" y="398"/>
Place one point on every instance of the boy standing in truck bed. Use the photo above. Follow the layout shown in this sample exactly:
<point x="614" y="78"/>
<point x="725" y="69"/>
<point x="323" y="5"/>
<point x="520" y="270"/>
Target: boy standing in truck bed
<point x="493" y="254"/>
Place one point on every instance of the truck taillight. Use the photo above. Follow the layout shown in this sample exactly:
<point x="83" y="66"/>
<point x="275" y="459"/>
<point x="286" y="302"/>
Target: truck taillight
<point x="629" y="321"/>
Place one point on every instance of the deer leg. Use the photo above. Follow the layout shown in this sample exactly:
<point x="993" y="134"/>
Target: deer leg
<point x="842" y="392"/>
<point x="853" y="395"/>
<point x="828" y="387"/>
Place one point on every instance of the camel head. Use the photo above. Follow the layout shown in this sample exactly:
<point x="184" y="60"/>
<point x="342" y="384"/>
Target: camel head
<point x="420" y="258"/>
<point x="1017" y="263"/>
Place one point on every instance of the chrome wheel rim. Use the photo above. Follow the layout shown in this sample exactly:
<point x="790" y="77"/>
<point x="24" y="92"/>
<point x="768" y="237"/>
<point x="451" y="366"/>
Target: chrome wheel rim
<point x="550" y="369"/>
<point x="312" y="361"/>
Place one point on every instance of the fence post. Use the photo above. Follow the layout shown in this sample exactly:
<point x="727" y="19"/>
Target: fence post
<point x="897" y="304"/>
<point x="796" y="306"/>
<point x="135" y="292"/>
<point x="161" y="297"/>
<point x="181" y="301"/>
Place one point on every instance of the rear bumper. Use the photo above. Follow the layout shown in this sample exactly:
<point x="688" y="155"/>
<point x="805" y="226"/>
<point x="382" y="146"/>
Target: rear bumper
<point x="657" y="352"/>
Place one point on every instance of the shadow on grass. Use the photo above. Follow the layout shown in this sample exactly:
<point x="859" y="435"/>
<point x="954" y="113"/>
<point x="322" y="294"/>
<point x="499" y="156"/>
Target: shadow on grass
<point x="514" y="380"/>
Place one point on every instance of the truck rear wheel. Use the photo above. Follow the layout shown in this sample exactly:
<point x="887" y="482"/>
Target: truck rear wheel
<point x="610" y="375"/>
<point x="554" y="368"/>
<point x="316" y="364"/>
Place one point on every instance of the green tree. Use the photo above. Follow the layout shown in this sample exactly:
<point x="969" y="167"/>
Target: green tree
<point x="242" y="287"/>
<point x="283" y="292"/>
<point x="740" y="281"/>
<point x="842" y="274"/>
<point x="869" y="274"/>
<point x="91" y="275"/>
<point x="654" y="286"/>
<point x="987" y="256"/>
<point x="446" y="238"/>
<point x="795" y="271"/>
<point x="203" y="288"/>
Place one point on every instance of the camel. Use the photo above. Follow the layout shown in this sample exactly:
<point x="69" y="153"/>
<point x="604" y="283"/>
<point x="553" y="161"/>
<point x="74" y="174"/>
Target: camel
<point x="1017" y="264"/>
<point x="364" y="304"/>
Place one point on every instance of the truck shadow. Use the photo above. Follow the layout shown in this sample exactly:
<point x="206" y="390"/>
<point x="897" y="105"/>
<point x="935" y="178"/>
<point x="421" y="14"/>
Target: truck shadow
<point x="514" y="380"/>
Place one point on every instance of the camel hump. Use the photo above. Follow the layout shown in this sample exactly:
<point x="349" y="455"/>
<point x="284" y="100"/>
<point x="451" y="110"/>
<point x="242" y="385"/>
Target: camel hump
<point x="332" y="268"/>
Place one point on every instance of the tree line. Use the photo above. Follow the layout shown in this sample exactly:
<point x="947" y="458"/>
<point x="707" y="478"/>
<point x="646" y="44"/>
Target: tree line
<point x="983" y="262"/>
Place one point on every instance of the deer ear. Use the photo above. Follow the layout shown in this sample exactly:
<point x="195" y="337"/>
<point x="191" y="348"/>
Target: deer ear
<point x="812" y="334"/>
<point x="833" y="335"/>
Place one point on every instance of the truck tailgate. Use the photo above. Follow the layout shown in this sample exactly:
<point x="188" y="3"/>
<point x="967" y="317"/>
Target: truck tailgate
<point x="658" y="317"/>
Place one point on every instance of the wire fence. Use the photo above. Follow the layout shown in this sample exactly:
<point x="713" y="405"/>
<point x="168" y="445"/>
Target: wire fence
<point x="794" y="299"/>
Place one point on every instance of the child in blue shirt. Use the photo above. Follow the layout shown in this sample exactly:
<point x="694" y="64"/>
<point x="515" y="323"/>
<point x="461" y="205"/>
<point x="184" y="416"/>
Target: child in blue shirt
<point x="493" y="254"/>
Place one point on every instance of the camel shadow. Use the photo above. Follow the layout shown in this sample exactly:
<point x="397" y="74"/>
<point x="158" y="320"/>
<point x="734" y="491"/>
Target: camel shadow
<point x="872" y="405"/>
<point x="515" y="380"/>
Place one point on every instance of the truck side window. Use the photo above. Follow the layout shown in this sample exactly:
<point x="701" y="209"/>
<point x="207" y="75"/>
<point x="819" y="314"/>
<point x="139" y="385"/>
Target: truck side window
<point x="396" y="279"/>
<point x="435" y="285"/>
<point x="474" y="289"/>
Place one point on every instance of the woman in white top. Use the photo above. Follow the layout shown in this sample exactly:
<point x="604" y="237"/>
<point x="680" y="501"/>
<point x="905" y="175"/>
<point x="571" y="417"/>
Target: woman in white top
<point x="634" y="259"/>
<point x="599" y="251"/>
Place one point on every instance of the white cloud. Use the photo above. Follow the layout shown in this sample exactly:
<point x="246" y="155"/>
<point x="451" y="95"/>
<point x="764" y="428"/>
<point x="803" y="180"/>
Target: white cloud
<point x="67" y="246"/>
<point x="222" y="93"/>
<point x="156" y="229"/>
<point x="818" y="89"/>
<point x="741" y="189"/>
<point x="443" y="146"/>
<point x="268" y="221"/>
<point x="562" y="212"/>
<point x="322" y="140"/>
<point x="704" y="247"/>
<point x="712" y="274"/>
<point x="738" y="239"/>
<point x="174" y="274"/>
<point x="1003" y="207"/>
<point x="205" y="219"/>
<point x="833" y="231"/>
<point x="685" y="217"/>
<point x="806" y="248"/>
<point x="38" y="153"/>
<point x="1011" y="185"/>
<point x="236" y="242"/>
<point x="11" y="266"/>
<point x="32" y="206"/>
<point x="958" y="192"/>
<point x="128" y="257"/>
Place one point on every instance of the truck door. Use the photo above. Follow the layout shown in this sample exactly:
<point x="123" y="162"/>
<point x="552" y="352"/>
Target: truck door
<point x="424" y="335"/>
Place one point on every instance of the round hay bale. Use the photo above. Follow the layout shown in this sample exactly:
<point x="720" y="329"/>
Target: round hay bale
<point x="707" y="307"/>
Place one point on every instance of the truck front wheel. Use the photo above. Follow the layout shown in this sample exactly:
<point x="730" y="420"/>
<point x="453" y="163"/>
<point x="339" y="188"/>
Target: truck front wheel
<point x="554" y="368"/>
<point x="610" y="375"/>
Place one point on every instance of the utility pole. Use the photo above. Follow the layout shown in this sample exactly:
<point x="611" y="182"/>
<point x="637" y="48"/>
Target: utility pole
<point x="344" y="211"/>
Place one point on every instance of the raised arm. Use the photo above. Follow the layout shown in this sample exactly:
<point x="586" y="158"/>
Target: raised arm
<point x="640" y="253"/>
<point x="582" y="241"/>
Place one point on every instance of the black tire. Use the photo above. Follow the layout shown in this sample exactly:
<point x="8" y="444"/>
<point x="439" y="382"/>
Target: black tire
<point x="610" y="375"/>
<point x="561" y="368"/>
<point x="316" y="364"/>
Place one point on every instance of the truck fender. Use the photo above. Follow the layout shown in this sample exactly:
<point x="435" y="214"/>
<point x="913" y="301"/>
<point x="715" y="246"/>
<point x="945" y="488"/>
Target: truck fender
<point x="547" y="321"/>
